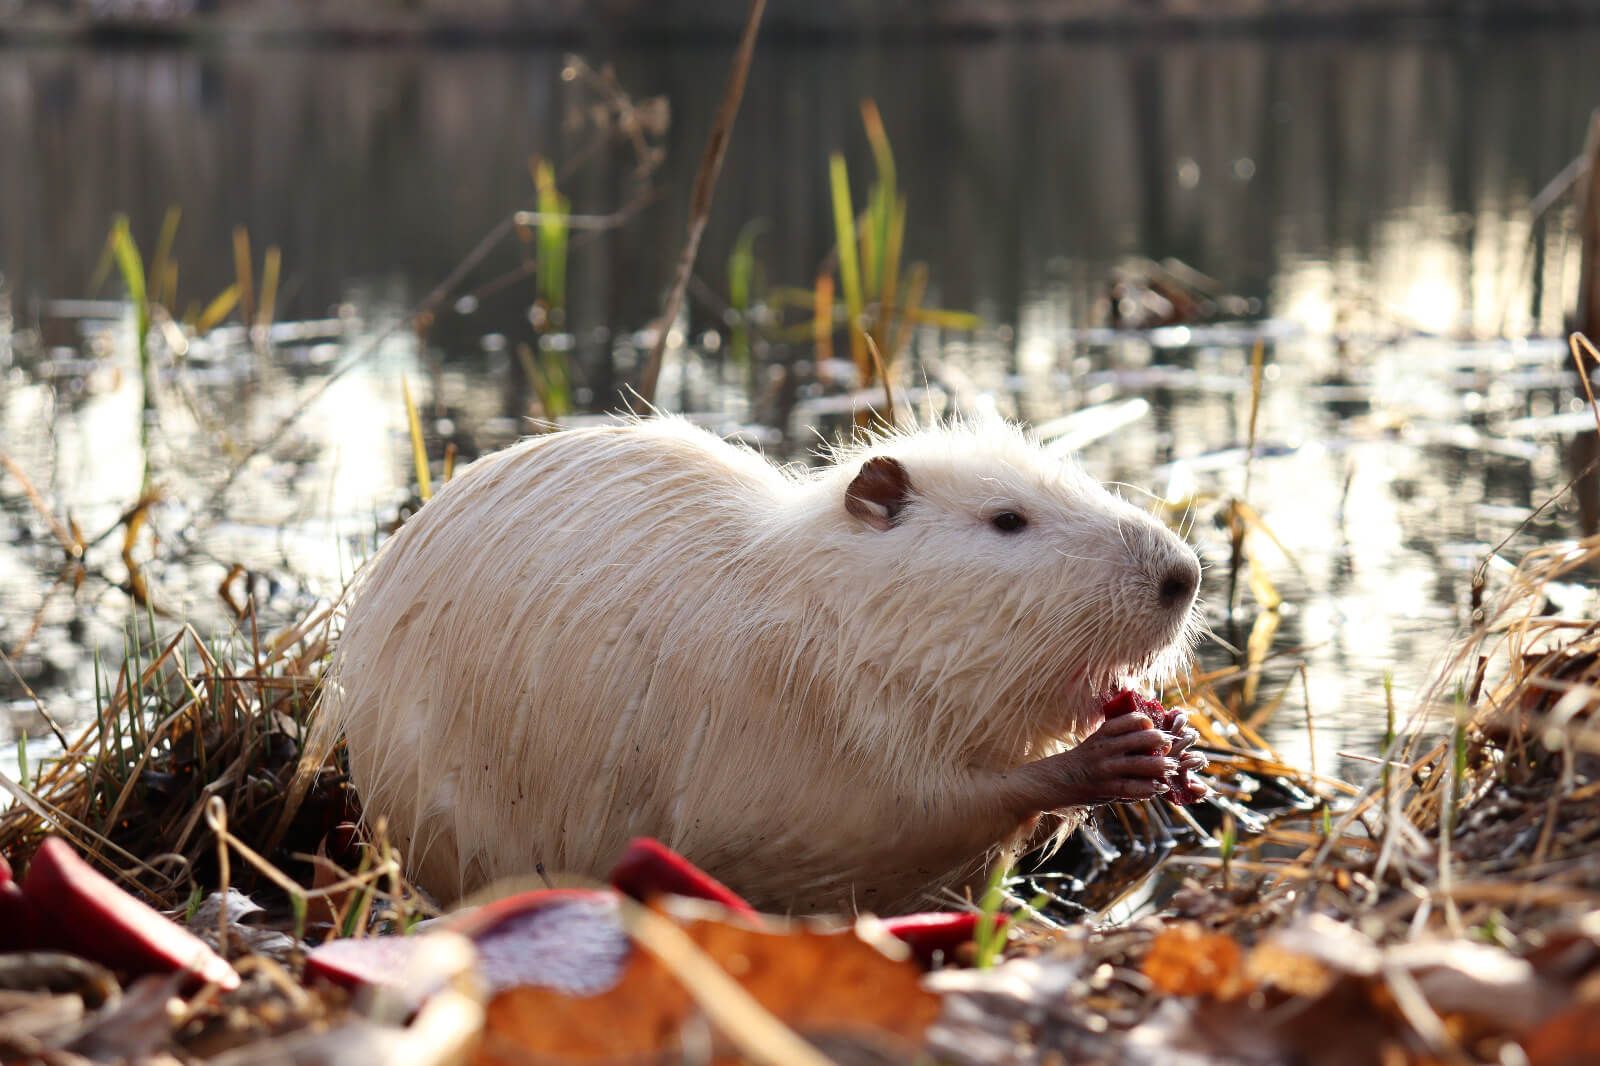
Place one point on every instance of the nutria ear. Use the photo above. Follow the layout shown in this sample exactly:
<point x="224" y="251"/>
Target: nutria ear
<point x="878" y="493"/>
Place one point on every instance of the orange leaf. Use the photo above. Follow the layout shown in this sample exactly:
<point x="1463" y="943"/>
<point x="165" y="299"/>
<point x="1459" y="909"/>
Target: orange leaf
<point x="1274" y="965"/>
<point x="1569" y="1038"/>
<point x="816" y="983"/>
<point x="1185" y="960"/>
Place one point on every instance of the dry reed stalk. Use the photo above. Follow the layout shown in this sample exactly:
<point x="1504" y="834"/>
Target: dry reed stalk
<point x="705" y="185"/>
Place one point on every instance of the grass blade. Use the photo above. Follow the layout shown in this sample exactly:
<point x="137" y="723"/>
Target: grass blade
<point x="882" y="154"/>
<point x="916" y="285"/>
<point x="881" y="202"/>
<point x="547" y="376"/>
<point x="131" y="266"/>
<point x="159" y="263"/>
<point x="552" y="247"/>
<point x="419" y="452"/>
<point x="169" y="286"/>
<point x="784" y="296"/>
<point x="558" y="384"/>
<point x="844" y="221"/>
<point x="270" y="266"/>
<point x="822" y="319"/>
<point x="245" y="275"/>
<point x="217" y="310"/>
<point x="891" y="274"/>
<point x="871" y="258"/>
<point x="935" y="316"/>
<point x="741" y="278"/>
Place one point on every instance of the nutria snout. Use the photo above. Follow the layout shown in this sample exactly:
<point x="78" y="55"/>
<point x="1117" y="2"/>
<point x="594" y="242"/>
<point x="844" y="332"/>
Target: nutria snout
<point x="1179" y="583"/>
<point x="846" y="687"/>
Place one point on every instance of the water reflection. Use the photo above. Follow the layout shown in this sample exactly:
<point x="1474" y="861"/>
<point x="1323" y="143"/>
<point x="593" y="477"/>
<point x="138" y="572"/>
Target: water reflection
<point x="1362" y="190"/>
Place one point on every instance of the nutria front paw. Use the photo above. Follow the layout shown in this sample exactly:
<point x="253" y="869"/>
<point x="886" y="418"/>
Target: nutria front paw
<point x="1127" y="759"/>
<point x="1182" y="787"/>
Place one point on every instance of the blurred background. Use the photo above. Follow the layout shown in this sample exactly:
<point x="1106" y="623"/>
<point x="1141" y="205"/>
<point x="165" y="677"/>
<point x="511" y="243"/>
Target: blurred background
<point x="1109" y="206"/>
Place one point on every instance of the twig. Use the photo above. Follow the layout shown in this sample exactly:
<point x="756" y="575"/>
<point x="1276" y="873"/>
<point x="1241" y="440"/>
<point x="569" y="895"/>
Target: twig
<point x="38" y="704"/>
<point x="528" y="269"/>
<point x="705" y="184"/>
<point x="69" y="544"/>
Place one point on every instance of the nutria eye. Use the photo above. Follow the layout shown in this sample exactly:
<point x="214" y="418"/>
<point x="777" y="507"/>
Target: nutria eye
<point x="1008" y="521"/>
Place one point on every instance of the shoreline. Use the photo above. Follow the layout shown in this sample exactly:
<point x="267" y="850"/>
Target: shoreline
<point x="720" y="23"/>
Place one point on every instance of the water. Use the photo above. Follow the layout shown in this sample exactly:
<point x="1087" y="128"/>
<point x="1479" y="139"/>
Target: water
<point x="1367" y="198"/>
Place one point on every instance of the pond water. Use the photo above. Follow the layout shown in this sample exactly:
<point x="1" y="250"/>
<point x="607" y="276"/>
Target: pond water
<point x="1367" y="200"/>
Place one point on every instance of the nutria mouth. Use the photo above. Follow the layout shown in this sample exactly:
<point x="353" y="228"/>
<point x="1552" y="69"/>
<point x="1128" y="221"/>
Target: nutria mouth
<point x="1088" y="692"/>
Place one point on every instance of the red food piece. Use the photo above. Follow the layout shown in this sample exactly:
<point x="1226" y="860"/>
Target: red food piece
<point x="649" y="868"/>
<point x="567" y="939"/>
<point x="931" y="933"/>
<point x="100" y="921"/>
<point x="22" y="927"/>
<point x="570" y="940"/>
<point x="358" y="961"/>
<point x="1182" y="788"/>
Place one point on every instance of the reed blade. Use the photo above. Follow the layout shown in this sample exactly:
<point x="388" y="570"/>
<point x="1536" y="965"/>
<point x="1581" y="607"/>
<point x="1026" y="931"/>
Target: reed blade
<point x="159" y="262"/>
<point x="270" y="266"/>
<point x="844" y="221"/>
<point x="419" y="452"/>
<point x="822" y="319"/>
<point x="741" y="285"/>
<point x="552" y="243"/>
<point x="244" y="274"/>
<point x="881" y="201"/>
<point x="217" y="310"/>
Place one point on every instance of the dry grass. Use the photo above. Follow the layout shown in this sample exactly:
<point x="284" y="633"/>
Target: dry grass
<point x="182" y="723"/>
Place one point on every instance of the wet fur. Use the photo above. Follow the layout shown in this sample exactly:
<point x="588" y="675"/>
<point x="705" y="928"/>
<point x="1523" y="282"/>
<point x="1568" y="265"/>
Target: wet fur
<point x="644" y="630"/>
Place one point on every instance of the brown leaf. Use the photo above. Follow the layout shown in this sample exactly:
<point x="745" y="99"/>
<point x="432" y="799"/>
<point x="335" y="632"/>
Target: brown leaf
<point x="816" y="983"/>
<point x="1570" y="1038"/>
<point x="1185" y="960"/>
<point x="325" y="873"/>
<point x="1273" y="964"/>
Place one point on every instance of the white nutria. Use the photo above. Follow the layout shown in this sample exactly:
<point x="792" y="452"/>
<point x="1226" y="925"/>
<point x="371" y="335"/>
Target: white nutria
<point x="849" y="687"/>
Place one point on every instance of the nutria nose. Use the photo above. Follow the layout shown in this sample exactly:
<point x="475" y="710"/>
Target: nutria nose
<point x="1180" y="583"/>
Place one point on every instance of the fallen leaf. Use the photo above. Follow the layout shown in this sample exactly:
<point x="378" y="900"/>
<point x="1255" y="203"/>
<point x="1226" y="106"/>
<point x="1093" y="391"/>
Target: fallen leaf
<point x="816" y="983"/>
<point x="1185" y="960"/>
<point x="1569" y="1038"/>
<point x="1480" y="980"/>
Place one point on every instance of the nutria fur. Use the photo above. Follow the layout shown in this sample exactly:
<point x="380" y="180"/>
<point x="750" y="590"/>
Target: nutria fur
<point x="835" y="688"/>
